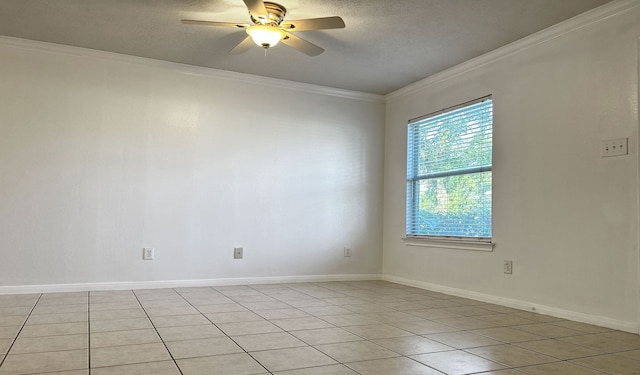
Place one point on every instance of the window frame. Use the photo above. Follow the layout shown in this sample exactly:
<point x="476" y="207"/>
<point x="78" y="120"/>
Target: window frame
<point x="442" y="241"/>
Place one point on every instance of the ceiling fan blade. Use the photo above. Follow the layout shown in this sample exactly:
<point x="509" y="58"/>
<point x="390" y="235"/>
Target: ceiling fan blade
<point x="314" y="24"/>
<point x="212" y="23"/>
<point x="243" y="46"/>
<point x="301" y="45"/>
<point x="256" y="8"/>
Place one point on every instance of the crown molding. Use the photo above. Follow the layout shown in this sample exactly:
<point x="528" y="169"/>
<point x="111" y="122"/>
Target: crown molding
<point x="576" y="23"/>
<point x="573" y="24"/>
<point x="186" y="69"/>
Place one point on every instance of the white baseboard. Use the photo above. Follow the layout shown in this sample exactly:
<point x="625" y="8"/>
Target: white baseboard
<point x="81" y="287"/>
<point x="601" y="321"/>
<point x="632" y="327"/>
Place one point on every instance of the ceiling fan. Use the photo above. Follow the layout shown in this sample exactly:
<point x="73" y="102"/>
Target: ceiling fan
<point x="269" y="28"/>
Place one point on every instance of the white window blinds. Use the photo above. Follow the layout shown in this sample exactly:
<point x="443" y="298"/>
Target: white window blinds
<point x="449" y="172"/>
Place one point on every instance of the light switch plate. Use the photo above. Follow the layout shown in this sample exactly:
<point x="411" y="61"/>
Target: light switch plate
<point x="615" y="147"/>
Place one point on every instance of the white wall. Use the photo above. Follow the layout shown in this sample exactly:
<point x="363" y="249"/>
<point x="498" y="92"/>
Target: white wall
<point x="102" y="154"/>
<point x="566" y="217"/>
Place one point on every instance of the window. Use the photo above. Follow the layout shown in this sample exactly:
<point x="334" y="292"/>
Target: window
<point x="449" y="173"/>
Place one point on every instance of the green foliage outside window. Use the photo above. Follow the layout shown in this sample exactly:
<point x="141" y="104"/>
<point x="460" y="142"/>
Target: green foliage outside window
<point x="449" y="172"/>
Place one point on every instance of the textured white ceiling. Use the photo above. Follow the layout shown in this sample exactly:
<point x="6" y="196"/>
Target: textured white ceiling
<point x="386" y="44"/>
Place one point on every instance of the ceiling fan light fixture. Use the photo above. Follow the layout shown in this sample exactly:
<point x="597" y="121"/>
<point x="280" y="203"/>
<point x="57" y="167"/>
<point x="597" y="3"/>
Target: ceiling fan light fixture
<point x="265" y="36"/>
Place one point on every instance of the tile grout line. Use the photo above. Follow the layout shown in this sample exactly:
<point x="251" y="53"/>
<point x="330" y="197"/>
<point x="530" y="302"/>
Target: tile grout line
<point x="400" y="355"/>
<point x="215" y="325"/>
<point x="393" y="308"/>
<point x="363" y="338"/>
<point x="558" y="360"/>
<point x="157" y="332"/>
<point x="370" y="340"/>
<point x="20" y="330"/>
<point x="288" y="332"/>
<point x="334" y="326"/>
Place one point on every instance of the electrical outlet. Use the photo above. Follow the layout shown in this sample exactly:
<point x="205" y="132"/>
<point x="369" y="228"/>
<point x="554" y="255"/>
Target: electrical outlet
<point x="147" y="253"/>
<point x="615" y="147"/>
<point x="237" y="253"/>
<point x="347" y="252"/>
<point x="508" y="267"/>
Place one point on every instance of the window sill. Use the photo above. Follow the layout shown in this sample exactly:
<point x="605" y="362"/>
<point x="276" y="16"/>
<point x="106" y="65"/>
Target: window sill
<point x="449" y="243"/>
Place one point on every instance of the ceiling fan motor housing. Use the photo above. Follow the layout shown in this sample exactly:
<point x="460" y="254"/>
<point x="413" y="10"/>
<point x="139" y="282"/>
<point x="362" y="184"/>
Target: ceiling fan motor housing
<point x="275" y="16"/>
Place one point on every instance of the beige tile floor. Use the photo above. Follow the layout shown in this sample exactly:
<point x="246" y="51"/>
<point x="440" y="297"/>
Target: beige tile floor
<point x="333" y="328"/>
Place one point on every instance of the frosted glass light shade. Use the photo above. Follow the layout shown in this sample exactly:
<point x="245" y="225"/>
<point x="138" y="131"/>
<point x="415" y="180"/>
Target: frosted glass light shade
<point x="265" y="36"/>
